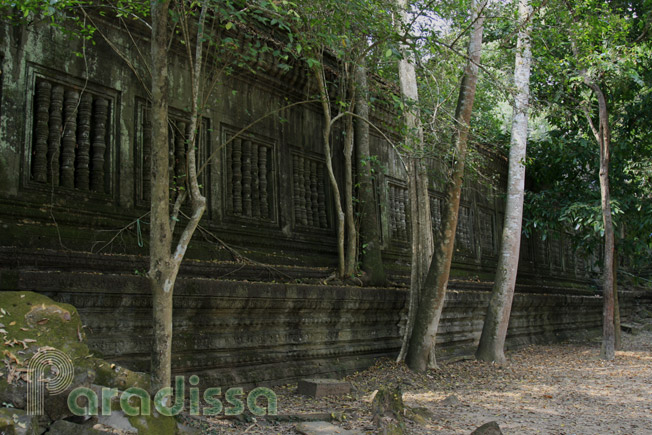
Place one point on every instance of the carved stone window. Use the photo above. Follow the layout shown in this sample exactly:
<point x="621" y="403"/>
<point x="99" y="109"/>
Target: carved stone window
<point x="178" y="132"/>
<point x="464" y="234"/>
<point x="398" y="212"/>
<point x="249" y="167"/>
<point x="526" y="248"/>
<point x="541" y="251"/>
<point x="435" y="213"/>
<point x="486" y="228"/>
<point x="309" y="192"/>
<point x="569" y="254"/>
<point x="72" y="137"/>
<point x="555" y="251"/>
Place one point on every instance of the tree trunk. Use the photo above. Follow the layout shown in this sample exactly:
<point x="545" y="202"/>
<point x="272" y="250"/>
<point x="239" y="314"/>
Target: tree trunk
<point x="492" y="341"/>
<point x="326" y="140"/>
<point x="420" y="218"/>
<point x="617" y="332"/>
<point x="372" y="261"/>
<point x="351" y="232"/>
<point x="603" y="138"/>
<point x="431" y="301"/>
<point x="160" y="234"/>
<point x="164" y="265"/>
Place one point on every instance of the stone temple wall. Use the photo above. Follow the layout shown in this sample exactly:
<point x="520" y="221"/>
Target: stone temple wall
<point x="75" y="143"/>
<point x="235" y="333"/>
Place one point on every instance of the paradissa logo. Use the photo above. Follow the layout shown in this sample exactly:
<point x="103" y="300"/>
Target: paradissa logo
<point x="136" y="401"/>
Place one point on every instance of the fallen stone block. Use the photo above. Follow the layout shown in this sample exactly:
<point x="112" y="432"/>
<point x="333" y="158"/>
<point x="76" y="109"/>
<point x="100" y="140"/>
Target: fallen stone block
<point x="323" y="387"/>
<point x="323" y="428"/>
<point x="16" y="421"/>
<point x="490" y="428"/>
<point x="631" y="328"/>
<point x="63" y="427"/>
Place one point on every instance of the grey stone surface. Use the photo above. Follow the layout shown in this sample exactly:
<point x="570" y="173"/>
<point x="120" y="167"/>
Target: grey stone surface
<point x="16" y="421"/>
<point x="323" y="428"/>
<point x="63" y="427"/>
<point x="117" y="420"/>
<point x="323" y="387"/>
<point x="490" y="428"/>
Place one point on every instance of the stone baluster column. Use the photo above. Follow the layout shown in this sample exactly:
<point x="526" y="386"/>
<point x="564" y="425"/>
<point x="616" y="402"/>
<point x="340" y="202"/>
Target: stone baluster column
<point x="180" y="169"/>
<point x="307" y="191"/>
<point x="147" y="155"/>
<point x="82" y="168"/>
<point x="246" y="177"/>
<point x="314" y="195"/>
<point x="237" y="176"/>
<point x="255" y="182"/>
<point x="100" y="116"/>
<point x="54" y="138"/>
<point x="264" y="202"/>
<point x="69" y="142"/>
<point x="41" y="132"/>
<point x="321" y="190"/>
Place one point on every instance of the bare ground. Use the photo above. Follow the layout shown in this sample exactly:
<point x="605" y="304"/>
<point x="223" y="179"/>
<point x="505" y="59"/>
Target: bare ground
<point x="557" y="389"/>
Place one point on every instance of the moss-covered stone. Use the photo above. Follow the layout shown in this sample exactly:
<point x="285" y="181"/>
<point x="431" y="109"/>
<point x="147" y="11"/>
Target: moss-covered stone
<point x="32" y="323"/>
<point x="154" y="424"/>
<point x="115" y="376"/>
<point x="16" y="421"/>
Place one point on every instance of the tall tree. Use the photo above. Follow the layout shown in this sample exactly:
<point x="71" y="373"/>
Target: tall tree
<point x="431" y="301"/>
<point x="593" y="54"/>
<point x="420" y="219"/>
<point x="333" y="39"/>
<point x="372" y="261"/>
<point x="165" y="263"/>
<point x="494" y="331"/>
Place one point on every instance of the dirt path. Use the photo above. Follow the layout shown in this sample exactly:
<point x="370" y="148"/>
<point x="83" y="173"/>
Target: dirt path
<point x="554" y="389"/>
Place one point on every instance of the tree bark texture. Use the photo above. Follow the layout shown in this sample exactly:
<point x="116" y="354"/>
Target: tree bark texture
<point x="603" y="138"/>
<point x="160" y="235"/>
<point x="372" y="261"/>
<point x="351" y="231"/>
<point x="326" y="140"/>
<point x="164" y="265"/>
<point x="420" y="217"/>
<point x="431" y="301"/>
<point x="492" y="340"/>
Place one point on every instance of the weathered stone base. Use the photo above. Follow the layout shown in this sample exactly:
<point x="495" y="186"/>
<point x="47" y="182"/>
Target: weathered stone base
<point x="249" y="333"/>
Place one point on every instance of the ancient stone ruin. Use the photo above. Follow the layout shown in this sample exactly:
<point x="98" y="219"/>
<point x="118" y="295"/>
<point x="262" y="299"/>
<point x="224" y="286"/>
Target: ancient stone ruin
<point x="75" y="144"/>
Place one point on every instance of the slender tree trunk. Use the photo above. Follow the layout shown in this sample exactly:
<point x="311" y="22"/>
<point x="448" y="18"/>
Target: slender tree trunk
<point x="351" y="232"/>
<point x="420" y="218"/>
<point x="617" y="332"/>
<point x="608" y="338"/>
<point x="431" y="302"/>
<point x="164" y="265"/>
<point x="372" y="261"/>
<point x="603" y="138"/>
<point x="326" y="139"/>
<point x="492" y="341"/>
<point x="160" y="235"/>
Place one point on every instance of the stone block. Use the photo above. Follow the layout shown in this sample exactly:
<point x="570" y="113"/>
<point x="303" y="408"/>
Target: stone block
<point x="323" y="428"/>
<point x="323" y="387"/>
<point x="490" y="428"/>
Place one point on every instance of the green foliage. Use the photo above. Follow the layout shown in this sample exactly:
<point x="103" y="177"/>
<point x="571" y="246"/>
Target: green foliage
<point x="600" y="39"/>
